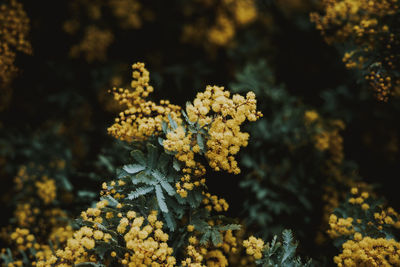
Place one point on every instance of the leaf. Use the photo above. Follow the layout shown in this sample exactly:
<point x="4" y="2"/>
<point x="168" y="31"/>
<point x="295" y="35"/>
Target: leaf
<point x="216" y="237"/>
<point x="170" y="221"/>
<point x="160" y="141"/>
<point x="133" y="168"/>
<point x="86" y="194"/>
<point x="164" y="126"/>
<point x="140" y="192"/>
<point x="173" y="123"/>
<point x="163" y="161"/>
<point x="230" y="227"/>
<point x="205" y="237"/>
<point x="121" y="173"/>
<point x="88" y="264"/>
<point x="139" y="157"/>
<point x="185" y="115"/>
<point x="200" y="141"/>
<point x="111" y="201"/>
<point x="161" y="199"/>
<point x="167" y="187"/>
<point x="289" y="249"/>
<point x="152" y="156"/>
<point x="176" y="165"/>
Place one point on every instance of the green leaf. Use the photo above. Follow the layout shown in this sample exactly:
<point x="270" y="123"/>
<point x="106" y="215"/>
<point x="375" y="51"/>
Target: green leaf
<point x="161" y="199"/>
<point x="173" y="123"/>
<point x="152" y="156"/>
<point x="89" y="264"/>
<point x="170" y="221"/>
<point x="140" y="192"/>
<point x="204" y="239"/>
<point x="164" y="126"/>
<point x="216" y="237"/>
<point x="163" y="161"/>
<point x="139" y="157"/>
<point x="167" y="187"/>
<point x="200" y="141"/>
<point x="176" y="165"/>
<point x="230" y="227"/>
<point x="111" y="201"/>
<point x="133" y="168"/>
<point x="86" y="194"/>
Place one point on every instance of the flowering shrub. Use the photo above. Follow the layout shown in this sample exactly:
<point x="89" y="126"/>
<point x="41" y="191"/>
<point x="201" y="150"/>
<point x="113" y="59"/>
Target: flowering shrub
<point x="106" y="165"/>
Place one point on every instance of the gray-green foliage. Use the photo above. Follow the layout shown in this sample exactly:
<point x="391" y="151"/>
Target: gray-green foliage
<point x="282" y="253"/>
<point x="281" y="161"/>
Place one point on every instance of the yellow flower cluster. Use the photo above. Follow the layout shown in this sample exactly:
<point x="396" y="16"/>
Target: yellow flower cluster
<point x="362" y="22"/>
<point x="340" y="226"/>
<point x="254" y="247"/>
<point x="97" y="38"/>
<point x="359" y="199"/>
<point x="147" y="243"/>
<point x="212" y="202"/>
<point x="22" y="238"/>
<point x="13" y="38"/>
<point x="141" y="118"/>
<point x="369" y="252"/>
<point x="230" y="15"/>
<point x="46" y="189"/>
<point x="127" y="12"/>
<point x="330" y="139"/>
<point x="352" y="18"/>
<point x="388" y="216"/>
<point x="223" y="115"/>
<point x="310" y="116"/>
<point x="94" y="44"/>
<point x="25" y="214"/>
<point x="201" y="256"/>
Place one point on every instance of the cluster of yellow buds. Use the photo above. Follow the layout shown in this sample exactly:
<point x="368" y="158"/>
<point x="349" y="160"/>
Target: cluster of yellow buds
<point x="202" y="256"/>
<point x="147" y="244"/>
<point x="230" y="15"/>
<point x="359" y="198"/>
<point x="388" y="216"/>
<point x="94" y="44"/>
<point x="329" y="138"/>
<point x="212" y="202"/>
<point x="310" y="116"/>
<point x="340" y="226"/>
<point x="254" y="247"/>
<point x="224" y="115"/>
<point x="369" y="251"/>
<point x="363" y="23"/>
<point x="97" y="37"/>
<point x="22" y="238"/>
<point x="46" y="189"/>
<point x="141" y="119"/>
<point x="13" y="37"/>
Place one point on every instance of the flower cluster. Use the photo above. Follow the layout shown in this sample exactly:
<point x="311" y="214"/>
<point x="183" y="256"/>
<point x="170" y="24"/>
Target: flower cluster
<point x="141" y="119"/>
<point x="367" y="24"/>
<point x="223" y="116"/>
<point x="94" y="44"/>
<point x="369" y="252"/>
<point x="201" y="256"/>
<point x="14" y="32"/>
<point x="340" y="226"/>
<point x="144" y="244"/>
<point x="46" y="189"/>
<point x="96" y="37"/>
<point x="254" y="247"/>
<point x="212" y="202"/>
<point x="230" y="15"/>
